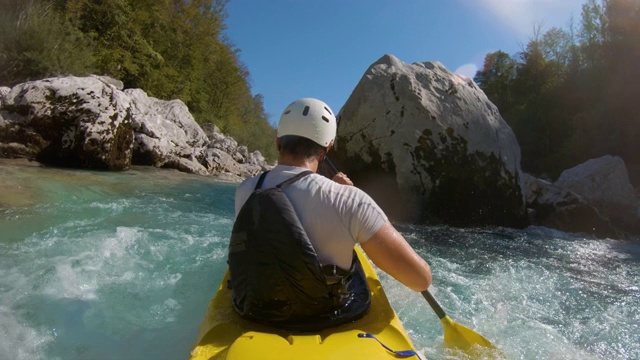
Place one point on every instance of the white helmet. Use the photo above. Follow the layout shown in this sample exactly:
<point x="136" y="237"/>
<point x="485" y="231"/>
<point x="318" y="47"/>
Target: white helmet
<point x="309" y="118"/>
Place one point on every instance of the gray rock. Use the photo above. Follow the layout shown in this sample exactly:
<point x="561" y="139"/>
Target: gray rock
<point x="558" y="208"/>
<point x="428" y="144"/>
<point x="218" y="140"/>
<point x="217" y="161"/>
<point x="73" y="121"/>
<point x="164" y="130"/>
<point x="110" y="81"/>
<point x="211" y="130"/>
<point x="3" y="92"/>
<point x="604" y="183"/>
<point x="185" y="165"/>
<point x="240" y="162"/>
<point x="15" y="150"/>
<point x="255" y="158"/>
<point x="241" y="154"/>
<point x="88" y="122"/>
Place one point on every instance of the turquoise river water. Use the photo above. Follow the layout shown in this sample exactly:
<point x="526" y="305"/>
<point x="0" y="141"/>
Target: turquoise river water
<point x="97" y="265"/>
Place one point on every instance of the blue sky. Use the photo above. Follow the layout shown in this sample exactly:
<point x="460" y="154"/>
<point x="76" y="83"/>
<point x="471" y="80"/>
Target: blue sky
<point x="321" y="48"/>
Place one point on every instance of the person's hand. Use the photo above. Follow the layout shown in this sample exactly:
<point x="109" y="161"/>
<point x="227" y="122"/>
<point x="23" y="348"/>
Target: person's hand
<point x="342" y="178"/>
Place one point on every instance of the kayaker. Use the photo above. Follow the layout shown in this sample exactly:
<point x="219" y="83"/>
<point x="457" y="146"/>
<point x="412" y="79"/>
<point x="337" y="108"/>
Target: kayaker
<point x="335" y="215"/>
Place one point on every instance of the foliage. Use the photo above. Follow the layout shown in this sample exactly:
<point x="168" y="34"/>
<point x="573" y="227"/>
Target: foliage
<point x="496" y="78"/>
<point x="36" y="42"/>
<point x="170" y="48"/>
<point x="571" y="95"/>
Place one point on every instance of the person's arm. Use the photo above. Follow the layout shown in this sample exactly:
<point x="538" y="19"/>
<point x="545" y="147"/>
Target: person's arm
<point x="389" y="250"/>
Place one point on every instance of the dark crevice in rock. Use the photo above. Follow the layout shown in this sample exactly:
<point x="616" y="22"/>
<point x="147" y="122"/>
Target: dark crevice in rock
<point x="493" y="200"/>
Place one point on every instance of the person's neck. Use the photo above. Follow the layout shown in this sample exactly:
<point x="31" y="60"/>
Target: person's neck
<point x="307" y="163"/>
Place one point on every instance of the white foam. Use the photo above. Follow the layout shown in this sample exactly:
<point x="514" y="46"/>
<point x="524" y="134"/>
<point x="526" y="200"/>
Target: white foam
<point x="73" y="283"/>
<point x="116" y="207"/>
<point x="19" y="341"/>
<point x="165" y="312"/>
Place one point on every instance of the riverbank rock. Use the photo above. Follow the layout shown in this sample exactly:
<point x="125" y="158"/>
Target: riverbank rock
<point x="555" y="207"/>
<point x="166" y="134"/>
<point x="428" y="145"/>
<point x="70" y="121"/>
<point x="595" y="197"/>
<point x="3" y="92"/>
<point x="91" y="122"/>
<point x="604" y="182"/>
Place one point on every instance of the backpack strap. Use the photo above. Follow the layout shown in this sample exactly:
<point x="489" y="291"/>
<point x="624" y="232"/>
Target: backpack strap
<point x="261" y="180"/>
<point x="335" y="270"/>
<point x="290" y="180"/>
<point x="294" y="178"/>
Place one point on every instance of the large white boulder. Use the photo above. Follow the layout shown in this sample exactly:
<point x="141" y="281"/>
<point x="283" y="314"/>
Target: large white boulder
<point x="72" y="121"/>
<point x="428" y="144"/>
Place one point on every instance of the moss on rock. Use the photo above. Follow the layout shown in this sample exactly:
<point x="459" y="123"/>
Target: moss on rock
<point x="468" y="188"/>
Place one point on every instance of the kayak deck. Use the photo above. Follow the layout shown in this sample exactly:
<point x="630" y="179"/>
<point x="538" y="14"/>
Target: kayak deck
<point x="225" y="335"/>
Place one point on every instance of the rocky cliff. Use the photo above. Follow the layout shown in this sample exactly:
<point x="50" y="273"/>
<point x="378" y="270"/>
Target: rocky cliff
<point x="91" y="122"/>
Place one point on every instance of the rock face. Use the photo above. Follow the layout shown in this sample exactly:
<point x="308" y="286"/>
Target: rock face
<point x="90" y="122"/>
<point x="77" y="122"/>
<point x="428" y="145"/>
<point x="595" y="197"/>
<point x="165" y="133"/>
<point x="224" y="156"/>
<point x="3" y="92"/>
<point x="558" y="208"/>
<point x="604" y="182"/>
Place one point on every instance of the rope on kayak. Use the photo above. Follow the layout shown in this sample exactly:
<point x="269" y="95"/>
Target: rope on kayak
<point x="403" y="353"/>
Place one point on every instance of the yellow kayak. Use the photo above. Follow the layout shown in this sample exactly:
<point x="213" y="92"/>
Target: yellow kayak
<point x="225" y="335"/>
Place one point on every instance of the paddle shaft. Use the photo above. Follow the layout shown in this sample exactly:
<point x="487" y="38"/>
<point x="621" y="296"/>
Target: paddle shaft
<point x="330" y="164"/>
<point x="434" y="304"/>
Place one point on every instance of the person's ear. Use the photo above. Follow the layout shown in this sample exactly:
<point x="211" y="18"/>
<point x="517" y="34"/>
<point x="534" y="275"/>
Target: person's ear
<point x="329" y="147"/>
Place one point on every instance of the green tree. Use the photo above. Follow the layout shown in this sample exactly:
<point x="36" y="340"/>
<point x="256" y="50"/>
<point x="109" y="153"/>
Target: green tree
<point x="621" y="53"/>
<point x="496" y="78"/>
<point x="261" y="134"/>
<point x="36" y="42"/>
<point x="122" y="50"/>
<point x="538" y="117"/>
<point x="557" y="45"/>
<point x="593" y="33"/>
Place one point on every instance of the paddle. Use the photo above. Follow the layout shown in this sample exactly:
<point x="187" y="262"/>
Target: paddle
<point x="455" y="335"/>
<point x="331" y="166"/>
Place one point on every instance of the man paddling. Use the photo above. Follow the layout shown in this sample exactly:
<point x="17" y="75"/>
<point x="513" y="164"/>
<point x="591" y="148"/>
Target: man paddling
<point x="334" y="217"/>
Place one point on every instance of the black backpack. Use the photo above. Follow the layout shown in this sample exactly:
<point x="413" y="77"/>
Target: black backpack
<point x="275" y="273"/>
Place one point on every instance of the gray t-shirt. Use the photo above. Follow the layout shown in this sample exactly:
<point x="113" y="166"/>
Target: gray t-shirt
<point x="335" y="216"/>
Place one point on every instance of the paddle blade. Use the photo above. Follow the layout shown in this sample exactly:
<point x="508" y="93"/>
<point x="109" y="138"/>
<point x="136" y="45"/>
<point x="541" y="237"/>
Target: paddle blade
<point x="461" y="337"/>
